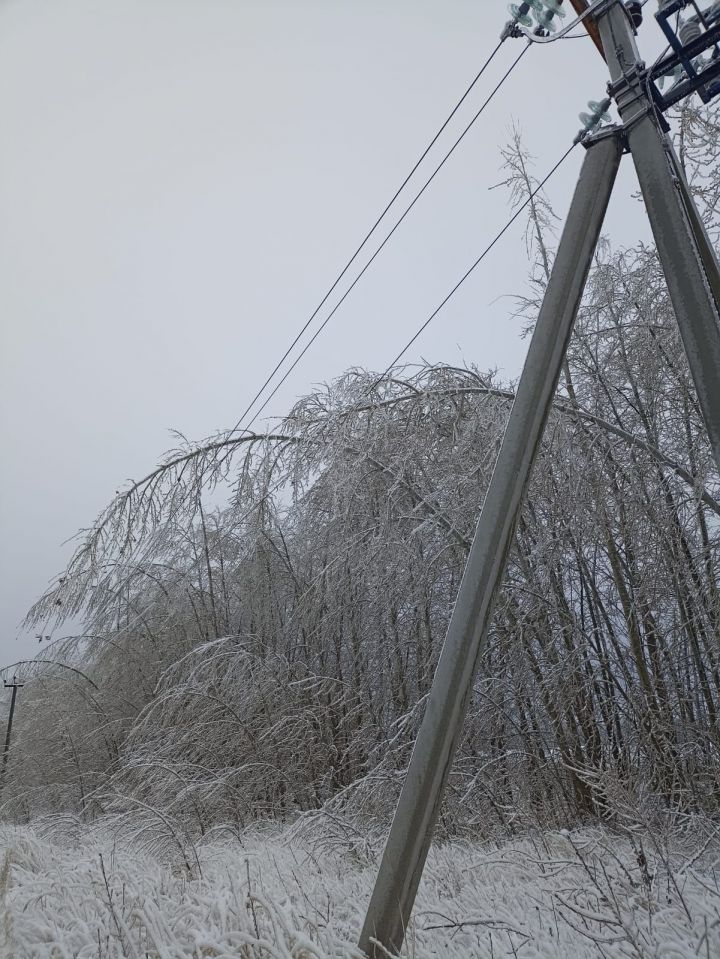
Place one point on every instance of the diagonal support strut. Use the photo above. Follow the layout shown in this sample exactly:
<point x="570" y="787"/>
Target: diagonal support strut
<point x="411" y="832"/>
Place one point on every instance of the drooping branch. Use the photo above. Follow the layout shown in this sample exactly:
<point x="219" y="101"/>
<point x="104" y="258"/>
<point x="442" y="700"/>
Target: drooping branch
<point x="153" y="509"/>
<point x="568" y="410"/>
<point x="130" y="529"/>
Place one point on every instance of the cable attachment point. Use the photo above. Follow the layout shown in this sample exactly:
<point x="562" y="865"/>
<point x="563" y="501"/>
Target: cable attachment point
<point x="519" y="13"/>
<point x="544" y="12"/>
<point x="598" y="114"/>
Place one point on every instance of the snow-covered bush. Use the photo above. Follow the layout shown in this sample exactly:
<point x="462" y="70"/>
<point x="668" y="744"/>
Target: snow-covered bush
<point x="582" y="894"/>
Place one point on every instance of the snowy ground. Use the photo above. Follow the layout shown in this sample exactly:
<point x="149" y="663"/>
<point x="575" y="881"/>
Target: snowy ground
<point x="552" y="895"/>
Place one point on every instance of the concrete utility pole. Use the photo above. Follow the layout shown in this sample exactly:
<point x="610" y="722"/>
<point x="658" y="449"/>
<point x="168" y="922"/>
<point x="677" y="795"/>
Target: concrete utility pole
<point x="693" y="280"/>
<point x="675" y="223"/>
<point x="416" y="814"/>
<point x="14" y="685"/>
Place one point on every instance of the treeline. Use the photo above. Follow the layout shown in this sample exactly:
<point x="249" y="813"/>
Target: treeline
<point x="271" y="657"/>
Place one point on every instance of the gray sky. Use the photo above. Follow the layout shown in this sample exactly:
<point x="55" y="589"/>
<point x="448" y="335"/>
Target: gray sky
<point x="180" y="182"/>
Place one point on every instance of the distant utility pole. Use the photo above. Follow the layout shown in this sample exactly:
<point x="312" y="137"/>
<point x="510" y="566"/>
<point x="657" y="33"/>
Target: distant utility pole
<point x="14" y="685"/>
<point x="693" y="279"/>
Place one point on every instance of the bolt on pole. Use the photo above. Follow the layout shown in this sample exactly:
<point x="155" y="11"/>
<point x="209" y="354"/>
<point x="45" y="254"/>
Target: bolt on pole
<point x="411" y="832"/>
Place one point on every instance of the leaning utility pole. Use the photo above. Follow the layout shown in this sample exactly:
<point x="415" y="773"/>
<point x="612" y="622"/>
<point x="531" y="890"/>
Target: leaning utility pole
<point x="432" y="757"/>
<point x="693" y="280"/>
<point x="14" y="685"/>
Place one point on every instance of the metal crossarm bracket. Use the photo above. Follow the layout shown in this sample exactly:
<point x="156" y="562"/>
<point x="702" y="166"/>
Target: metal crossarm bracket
<point x="704" y="79"/>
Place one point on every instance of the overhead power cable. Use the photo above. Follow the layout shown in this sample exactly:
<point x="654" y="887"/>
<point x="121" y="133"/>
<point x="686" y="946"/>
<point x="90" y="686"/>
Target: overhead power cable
<point x="498" y="236"/>
<point x="369" y="263"/>
<point x="278" y="483"/>
<point x="477" y="262"/>
<point x="276" y="486"/>
<point x="370" y="232"/>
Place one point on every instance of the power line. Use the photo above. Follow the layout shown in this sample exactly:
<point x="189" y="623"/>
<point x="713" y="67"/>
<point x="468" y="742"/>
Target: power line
<point x="279" y="482"/>
<point x="482" y="256"/>
<point x="387" y="238"/>
<point x="432" y="316"/>
<point x="478" y="113"/>
<point x="368" y="235"/>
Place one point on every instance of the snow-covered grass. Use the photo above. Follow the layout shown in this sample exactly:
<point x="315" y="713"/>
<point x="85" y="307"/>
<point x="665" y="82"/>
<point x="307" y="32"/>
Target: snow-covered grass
<point x="561" y="895"/>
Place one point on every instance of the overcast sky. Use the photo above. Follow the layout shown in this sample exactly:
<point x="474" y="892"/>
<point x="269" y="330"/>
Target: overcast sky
<point x="180" y="182"/>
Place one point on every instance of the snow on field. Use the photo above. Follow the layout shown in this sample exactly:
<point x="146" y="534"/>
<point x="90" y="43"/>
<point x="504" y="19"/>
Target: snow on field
<point x="577" y="895"/>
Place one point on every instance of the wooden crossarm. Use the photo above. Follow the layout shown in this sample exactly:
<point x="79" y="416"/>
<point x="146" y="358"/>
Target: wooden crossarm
<point x="580" y="6"/>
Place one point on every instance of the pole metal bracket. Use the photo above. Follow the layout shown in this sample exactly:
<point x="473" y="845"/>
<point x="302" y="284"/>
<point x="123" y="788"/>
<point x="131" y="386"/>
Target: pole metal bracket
<point x="697" y="58"/>
<point x="630" y="86"/>
<point x="634" y="95"/>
